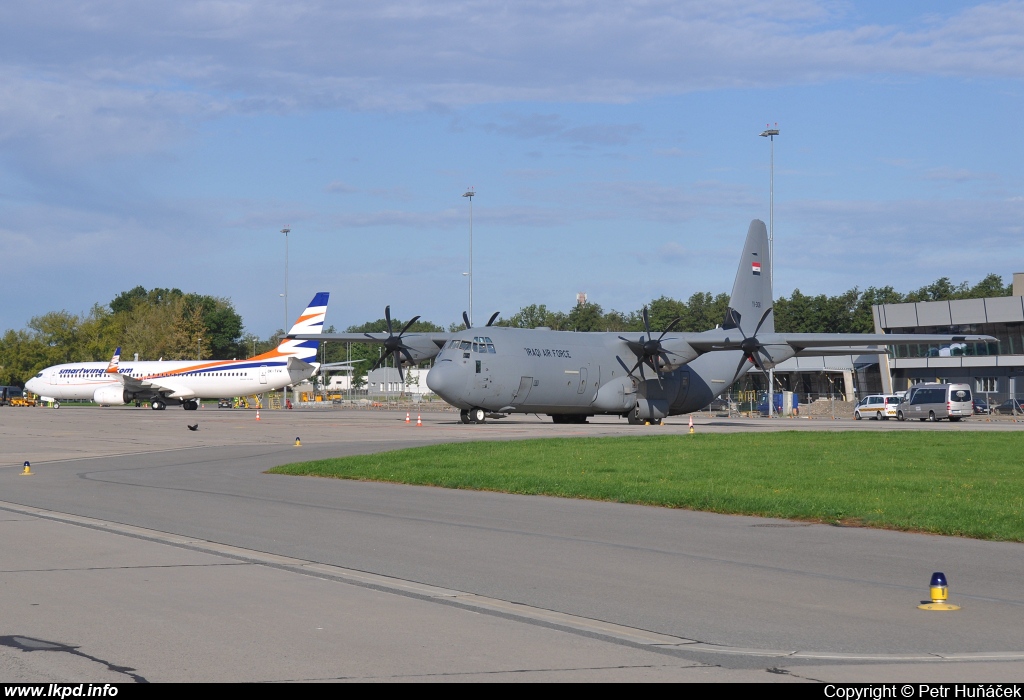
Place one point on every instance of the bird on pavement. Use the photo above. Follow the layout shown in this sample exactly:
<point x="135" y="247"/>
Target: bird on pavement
<point x="193" y="427"/>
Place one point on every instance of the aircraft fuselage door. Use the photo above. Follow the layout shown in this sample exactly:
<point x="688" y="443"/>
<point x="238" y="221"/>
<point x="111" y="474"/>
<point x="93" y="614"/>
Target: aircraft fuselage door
<point x="583" y="380"/>
<point x="525" y="384"/>
<point x="263" y="374"/>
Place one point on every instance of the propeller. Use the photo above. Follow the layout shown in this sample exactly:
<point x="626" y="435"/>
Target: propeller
<point x="465" y="317"/>
<point x="393" y="344"/>
<point x="649" y="351"/>
<point x="752" y="347"/>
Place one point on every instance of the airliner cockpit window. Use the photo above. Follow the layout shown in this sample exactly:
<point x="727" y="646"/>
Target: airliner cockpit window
<point x="466" y="345"/>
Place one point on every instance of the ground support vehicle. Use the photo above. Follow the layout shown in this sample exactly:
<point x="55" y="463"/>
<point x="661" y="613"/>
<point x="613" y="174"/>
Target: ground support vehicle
<point x="876" y="407"/>
<point x="934" y="402"/>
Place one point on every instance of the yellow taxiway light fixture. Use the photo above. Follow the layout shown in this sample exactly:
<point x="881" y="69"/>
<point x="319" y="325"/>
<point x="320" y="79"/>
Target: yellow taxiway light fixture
<point x="27" y="471"/>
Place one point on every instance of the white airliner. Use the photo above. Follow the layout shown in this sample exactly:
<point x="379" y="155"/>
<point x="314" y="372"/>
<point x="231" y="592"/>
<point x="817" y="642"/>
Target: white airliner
<point x="161" y="383"/>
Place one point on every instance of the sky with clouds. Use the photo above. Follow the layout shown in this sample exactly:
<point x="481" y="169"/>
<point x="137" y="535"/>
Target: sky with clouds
<point x="613" y="145"/>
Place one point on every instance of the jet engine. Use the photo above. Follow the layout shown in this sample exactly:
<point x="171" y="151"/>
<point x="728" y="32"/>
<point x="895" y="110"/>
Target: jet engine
<point x="111" y="396"/>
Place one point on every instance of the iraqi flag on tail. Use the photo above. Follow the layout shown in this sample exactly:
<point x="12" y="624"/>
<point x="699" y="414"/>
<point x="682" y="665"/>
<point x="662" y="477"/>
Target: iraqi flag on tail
<point x="755" y="267"/>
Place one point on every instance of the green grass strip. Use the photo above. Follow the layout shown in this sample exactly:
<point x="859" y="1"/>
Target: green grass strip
<point x="951" y="483"/>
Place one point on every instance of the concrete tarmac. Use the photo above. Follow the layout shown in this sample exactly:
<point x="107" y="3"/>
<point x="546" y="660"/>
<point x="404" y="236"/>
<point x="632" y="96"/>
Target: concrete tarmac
<point x="140" y="545"/>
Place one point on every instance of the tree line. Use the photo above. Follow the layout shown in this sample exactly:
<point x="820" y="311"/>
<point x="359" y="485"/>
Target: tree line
<point x="156" y="323"/>
<point x="175" y="325"/>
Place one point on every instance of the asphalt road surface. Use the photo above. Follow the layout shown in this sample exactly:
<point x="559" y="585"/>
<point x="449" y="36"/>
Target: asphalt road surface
<point x="170" y="552"/>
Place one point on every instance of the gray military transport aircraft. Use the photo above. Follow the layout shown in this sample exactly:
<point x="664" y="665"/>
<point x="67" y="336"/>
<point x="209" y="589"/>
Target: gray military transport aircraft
<point x="494" y="371"/>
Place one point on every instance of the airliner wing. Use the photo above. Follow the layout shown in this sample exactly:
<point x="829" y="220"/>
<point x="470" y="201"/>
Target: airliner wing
<point x="157" y="385"/>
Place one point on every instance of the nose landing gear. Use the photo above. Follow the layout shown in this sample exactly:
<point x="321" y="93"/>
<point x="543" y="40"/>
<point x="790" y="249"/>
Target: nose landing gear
<point x="473" y="415"/>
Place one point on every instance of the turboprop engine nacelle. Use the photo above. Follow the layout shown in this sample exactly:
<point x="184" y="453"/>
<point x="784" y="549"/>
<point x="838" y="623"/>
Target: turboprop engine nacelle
<point x="111" y="396"/>
<point x="616" y="396"/>
<point x="651" y="409"/>
<point x="679" y="354"/>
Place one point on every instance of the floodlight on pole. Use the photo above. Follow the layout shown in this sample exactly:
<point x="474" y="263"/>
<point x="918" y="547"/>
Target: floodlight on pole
<point x="286" y="230"/>
<point x="469" y="193"/>
<point x="770" y="134"/>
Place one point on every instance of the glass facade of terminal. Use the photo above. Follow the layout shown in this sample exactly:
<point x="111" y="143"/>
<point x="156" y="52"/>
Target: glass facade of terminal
<point x="1010" y="337"/>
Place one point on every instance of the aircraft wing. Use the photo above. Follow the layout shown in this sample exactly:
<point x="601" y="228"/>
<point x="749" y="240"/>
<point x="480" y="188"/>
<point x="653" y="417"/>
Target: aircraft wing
<point x="158" y="385"/>
<point x="421" y="346"/>
<point x="438" y="339"/>
<point x="733" y="340"/>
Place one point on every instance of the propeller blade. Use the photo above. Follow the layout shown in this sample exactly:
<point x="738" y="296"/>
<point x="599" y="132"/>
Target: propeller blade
<point x="387" y="317"/>
<point x="652" y="365"/>
<point x="764" y="316"/>
<point x="465" y="317"/>
<point x="414" y="320"/>
<point x="647" y="322"/>
<point x="670" y="327"/>
<point x="740" y="367"/>
<point x="405" y="351"/>
<point x="636" y="347"/>
<point x="493" y="317"/>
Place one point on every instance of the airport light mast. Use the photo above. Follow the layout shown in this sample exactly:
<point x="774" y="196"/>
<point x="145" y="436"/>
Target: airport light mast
<point x="771" y="134"/>
<point x="286" y="230"/>
<point x="469" y="193"/>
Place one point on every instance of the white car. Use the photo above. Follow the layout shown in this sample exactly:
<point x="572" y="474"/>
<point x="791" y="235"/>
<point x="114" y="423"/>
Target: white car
<point x="877" y="407"/>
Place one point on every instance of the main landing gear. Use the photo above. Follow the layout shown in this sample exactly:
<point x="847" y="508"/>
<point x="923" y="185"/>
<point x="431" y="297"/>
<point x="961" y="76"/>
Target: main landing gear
<point x="569" y="418"/>
<point x="157" y="405"/>
<point x="473" y="415"/>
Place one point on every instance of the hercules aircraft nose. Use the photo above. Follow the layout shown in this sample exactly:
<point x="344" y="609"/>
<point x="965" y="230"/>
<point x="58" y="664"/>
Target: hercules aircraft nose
<point x="447" y="381"/>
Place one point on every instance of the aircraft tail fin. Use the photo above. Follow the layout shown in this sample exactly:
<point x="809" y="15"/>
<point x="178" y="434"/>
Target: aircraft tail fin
<point x="114" y="361"/>
<point x="752" y="289"/>
<point x="310" y="321"/>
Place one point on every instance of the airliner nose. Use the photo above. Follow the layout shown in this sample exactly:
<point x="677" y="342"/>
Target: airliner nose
<point x="34" y="385"/>
<point x="446" y="380"/>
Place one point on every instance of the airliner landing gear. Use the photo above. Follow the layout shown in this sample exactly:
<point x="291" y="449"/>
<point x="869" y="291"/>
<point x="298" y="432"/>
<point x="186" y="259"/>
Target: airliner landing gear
<point x="157" y="405"/>
<point x="464" y="415"/>
<point x="190" y="405"/>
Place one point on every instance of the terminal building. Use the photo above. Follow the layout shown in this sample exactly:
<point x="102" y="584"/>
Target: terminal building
<point x="994" y="370"/>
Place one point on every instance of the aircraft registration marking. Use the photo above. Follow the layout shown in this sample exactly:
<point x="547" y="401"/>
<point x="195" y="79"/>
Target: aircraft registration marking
<point x="547" y="352"/>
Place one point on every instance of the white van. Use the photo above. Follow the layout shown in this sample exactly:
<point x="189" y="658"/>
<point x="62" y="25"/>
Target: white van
<point x="937" y="401"/>
<point x="876" y="406"/>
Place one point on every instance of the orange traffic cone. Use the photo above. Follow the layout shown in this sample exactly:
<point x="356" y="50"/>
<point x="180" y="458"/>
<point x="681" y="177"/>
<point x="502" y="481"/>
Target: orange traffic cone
<point x="691" y="424"/>
<point x="419" y="421"/>
<point x="407" y="417"/>
<point x="257" y="414"/>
